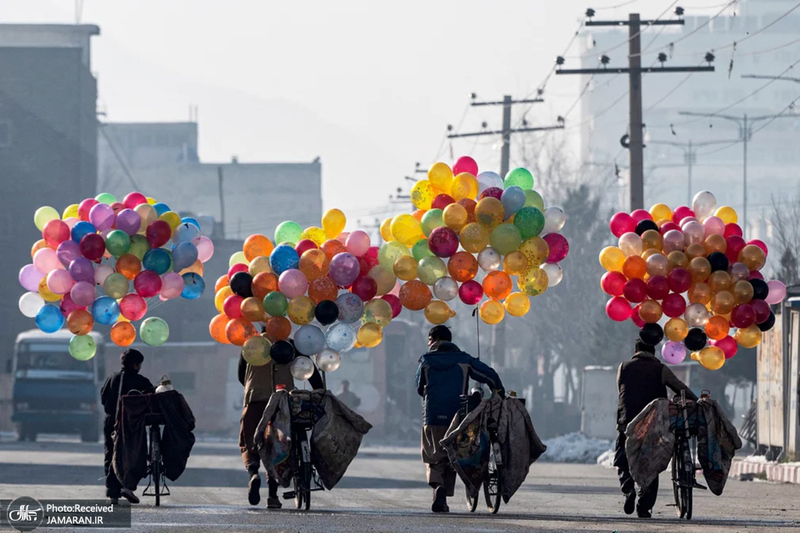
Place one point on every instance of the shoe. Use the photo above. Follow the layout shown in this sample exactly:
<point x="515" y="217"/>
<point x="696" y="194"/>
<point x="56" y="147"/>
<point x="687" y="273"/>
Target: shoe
<point x="643" y="513"/>
<point x="253" y="488"/>
<point x="274" y="503"/>
<point x="440" y="500"/>
<point x="630" y="502"/>
<point x="129" y="495"/>
<point x="113" y="501"/>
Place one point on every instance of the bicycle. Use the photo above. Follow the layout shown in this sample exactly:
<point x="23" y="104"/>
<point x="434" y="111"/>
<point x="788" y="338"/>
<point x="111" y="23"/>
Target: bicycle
<point x="683" y="460"/>
<point x="304" y="477"/>
<point x="491" y="479"/>
<point x="155" y="461"/>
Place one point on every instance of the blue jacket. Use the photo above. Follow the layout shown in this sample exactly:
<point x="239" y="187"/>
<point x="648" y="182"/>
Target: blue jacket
<point x="443" y="376"/>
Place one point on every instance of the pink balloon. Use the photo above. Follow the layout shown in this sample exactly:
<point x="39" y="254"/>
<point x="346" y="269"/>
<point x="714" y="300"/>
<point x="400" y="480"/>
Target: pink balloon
<point x="29" y="278"/>
<point x="129" y="221"/>
<point x="396" y="290"/>
<point x="293" y="283"/>
<point x="394" y="301"/>
<point x="59" y="281"/>
<point x="777" y="292"/>
<point x="559" y="247"/>
<point x="613" y="283"/>
<point x="147" y="283"/>
<point x="358" y="243"/>
<point x="443" y="242"/>
<point x="304" y="246"/>
<point x="102" y="216"/>
<point x="470" y="292"/>
<point x="85" y="207"/>
<point x="238" y="267"/>
<point x="728" y="346"/>
<point x="673" y="352"/>
<point x="342" y="238"/>
<point x="101" y="273"/>
<point x="133" y="199"/>
<point x="618" y="309"/>
<point x="133" y="307"/>
<point x="668" y="226"/>
<point x="465" y="164"/>
<point x="635" y="318"/>
<point x="640" y="214"/>
<point x="344" y="269"/>
<point x="70" y="222"/>
<point x="232" y="306"/>
<point x="205" y="248"/>
<point x="171" y="285"/>
<point x="83" y="293"/>
<point x="739" y="272"/>
<point x="680" y="213"/>
<point x="46" y="260"/>
<point x="693" y="233"/>
<point x="733" y="229"/>
<point x="714" y="226"/>
<point x="673" y="240"/>
<point x="622" y="223"/>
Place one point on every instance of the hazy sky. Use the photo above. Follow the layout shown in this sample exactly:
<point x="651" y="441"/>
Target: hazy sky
<point x="367" y="85"/>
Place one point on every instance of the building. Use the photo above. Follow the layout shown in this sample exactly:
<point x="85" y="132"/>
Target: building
<point x="715" y="161"/>
<point x="48" y="148"/>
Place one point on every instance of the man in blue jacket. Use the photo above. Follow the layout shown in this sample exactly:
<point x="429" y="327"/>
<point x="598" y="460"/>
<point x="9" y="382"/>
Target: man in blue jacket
<point x="442" y="377"/>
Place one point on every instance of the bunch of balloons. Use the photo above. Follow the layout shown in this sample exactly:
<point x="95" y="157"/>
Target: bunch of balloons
<point x="689" y="275"/>
<point x="104" y="262"/>
<point x="321" y="277"/>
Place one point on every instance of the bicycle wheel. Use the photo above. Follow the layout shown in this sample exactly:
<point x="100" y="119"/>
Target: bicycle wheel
<point x="306" y="480"/>
<point x="155" y="464"/>
<point x="688" y="482"/>
<point x="676" y="487"/>
<point x="472" y="502"/>
<point x="491" y="482"/>
<point x="302" y="474"/>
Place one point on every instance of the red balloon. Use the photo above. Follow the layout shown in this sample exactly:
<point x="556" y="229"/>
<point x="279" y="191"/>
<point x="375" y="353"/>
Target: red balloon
<point x="734" y="245"/>
<point x="470" y="292"/>
<point x="755" y="274"/>
<point x="635" y="318"/>
<point x="147" y="283"/>
<point x="733" y="229"/>
<point x="667" y="226"/>
<point x="679" y="280"/>
<point x="658" y="286"/>
<point x="761" y="309"/>
<point x="67" y="305"/>
<point x="465" y="164"/>
<point x="304" y="246"/>
<point x="618" y="309"/>
<point x="743" y="316"/>
<point x="394" y="301"/>
<point x="133" y="307"/>
<point x="84" y="207"/>
<point x="673" y="305"/>
<point x="441" y="201"/>
<point x="92" y="246"/>
<point x="367" y="261"/>
<point x="158" y="233"/>
<point x="232" y="306"/>
<point x="55" y="232"/>
<point x="133" y="199"/>
<point x="760" y="244"/>
<point x="443" y="242"/>
<point x="622" y="223"/>
<point x="117" y="207"/>
<point x="640" y="214"/>
<point x="365" y="288"/>
<point x="559" y="247"/>
<point x="238" y="267"/>
<point x="728" y="346"/>
<point x="680" y="213"/>
<point x="613" y="283"/>
<point x="635" y="291"/>
<point x="492" y="192"/>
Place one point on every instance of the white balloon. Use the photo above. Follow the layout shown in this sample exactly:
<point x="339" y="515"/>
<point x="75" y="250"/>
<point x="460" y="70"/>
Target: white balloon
<point x="309" y="339"/>
<point x="704" y="204"/>
<point x="101" y="273"/>
<point x="696" y="315"/>
<point x="340" y="337"/>
<point x="488" y="179"/>
<point x="30" y="303"/>
<point x="554" y="274"/>
<point x="631" y="244"/>
<point x="554" y="220"/>
<point x="490" y="259"/>
<point x="328" y="360"/>
<point x="302" y="368"/>
<point x="445" y="288"/>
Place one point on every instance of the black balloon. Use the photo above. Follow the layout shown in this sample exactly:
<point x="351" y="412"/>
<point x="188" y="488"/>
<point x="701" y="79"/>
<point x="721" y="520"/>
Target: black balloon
<point x="645" y="225"/>
<point x="327" y="312"/>
<point x="768" y="323"/>
<point x="241" y="284"/>
<point x="696" y="339"/>
<point x="282" y="352"/>
<point x="651" y="334"/>
<point x="719" y="261"/>
<point x="760" y="289"/>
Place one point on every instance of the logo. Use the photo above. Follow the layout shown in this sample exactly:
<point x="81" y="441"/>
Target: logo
<point x="25" y="514"/>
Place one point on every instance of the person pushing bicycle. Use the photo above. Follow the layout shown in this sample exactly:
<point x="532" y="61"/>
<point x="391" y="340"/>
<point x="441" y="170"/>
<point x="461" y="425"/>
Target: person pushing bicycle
<point x="442" y="378"/>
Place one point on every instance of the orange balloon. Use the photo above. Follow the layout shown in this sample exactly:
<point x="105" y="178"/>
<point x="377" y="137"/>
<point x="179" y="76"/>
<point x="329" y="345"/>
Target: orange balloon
<point x="720" y="281"/>
<point x="717" y="328"/>
<point x="515" y="263"/>
<point x="677" y="259"/>
<point x="722" y="303"/>
<point x="323" y="288"/>
<point x="752" y="256"/>
<point x="695" y="250"/>
<point x="239" y="330"/>
<point x="197" y="268"/>
<point x="278" y="328"/>
<point x="129" y="265"/>
<point x="256" y="246"/>
<point x="651" y="240"/>
<point x="216" y="328"/>
<point x="715" y="243"/>
<point x="462" y="266"/>
<point x="253" y="309"/>
<point x="419" y="213"/>
<point x="742" y="292"/>
<point x="80" y="322"/>
<point x="699" y="293"/>
<point x="415" y="295"/>
<point x="332" y="247"/>
<point x="497" y="285"/>
<point x="222" y="281"/>
<point x="469" y="205"/>
<point x="699" y="268"/>
<point x="123" y="334"/>
<point x="38" y="245"/>
<point x="264" y="283"/>
<point x="634" y="267"/>
<point x="650" y="311"/>
<point x="314" y="263"/>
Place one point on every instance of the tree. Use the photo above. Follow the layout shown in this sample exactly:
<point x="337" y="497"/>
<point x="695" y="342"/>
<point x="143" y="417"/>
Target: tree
<point x="785" y="223"/>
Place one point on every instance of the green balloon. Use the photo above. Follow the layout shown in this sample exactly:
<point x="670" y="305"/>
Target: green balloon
<point x="82" y="347"/>
<point x="154" y="331"/>
<point x="390" y="252"/>
<point x="530" y="221"/>
<point x="106" y="198"/>
<point x="432" y="220"/>
<point x="420" y="250"/>
<point x="519" y="177"/>
<point x="275" y="304"/>
<point x="431" y="269"/>
<point x="534" y="199"/>
<point x="139" y="246"/>
<point x="288" y="231"/>
<point x="505" y="238"/>
<point x="118" y="243"/>
<point x="116" y="285"/>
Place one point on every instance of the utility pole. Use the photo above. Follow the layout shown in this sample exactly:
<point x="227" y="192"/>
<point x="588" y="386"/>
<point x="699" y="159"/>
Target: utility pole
<point x="221" y="202"/>
<point x="634" y="71"/>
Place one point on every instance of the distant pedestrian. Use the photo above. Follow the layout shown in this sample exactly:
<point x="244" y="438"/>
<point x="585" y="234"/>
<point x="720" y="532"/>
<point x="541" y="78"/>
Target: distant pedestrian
<point x="348" y="397"/>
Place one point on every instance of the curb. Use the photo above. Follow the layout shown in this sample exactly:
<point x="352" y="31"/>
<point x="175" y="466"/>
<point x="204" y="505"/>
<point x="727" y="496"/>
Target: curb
<point x="774" y="471"/>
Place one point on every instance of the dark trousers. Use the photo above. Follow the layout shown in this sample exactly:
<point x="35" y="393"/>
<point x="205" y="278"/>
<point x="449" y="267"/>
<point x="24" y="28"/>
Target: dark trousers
<point x="440" y="471"/>
<point x="251" y="417"/>
<point x="647" y="495"/>
<point x="113" y="486"/>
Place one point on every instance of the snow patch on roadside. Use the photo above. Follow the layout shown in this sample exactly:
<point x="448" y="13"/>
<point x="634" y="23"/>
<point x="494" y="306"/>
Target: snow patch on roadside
<point x="575" y="448"/>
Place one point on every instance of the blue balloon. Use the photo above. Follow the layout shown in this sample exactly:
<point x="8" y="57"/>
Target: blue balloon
<point x="283" y="258"/>
<point x="158" y="260"/>
<point x="513" y="200"/>
<point x="186" y="232"/>
<point x="183" y="256"/>
<point x="81" y="229"/>
<point x="193" y="285"/>
<point x="161" y="208"/>
<point x="49" y="318"/>
<point x="105" y="310"/>
<point x="190" y="220"/>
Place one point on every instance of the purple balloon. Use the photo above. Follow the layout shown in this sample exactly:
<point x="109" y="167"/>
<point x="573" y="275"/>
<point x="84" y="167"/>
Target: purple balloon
<point x="344" y="269"/>
<point x="81" y="269"/>
<point x="129" y="221"/>
<point x="29" y="278"/>
<point x="83" y="293"/>
<point x="102" y="216"/>
<point x="673" y="352"/>
<point x="67" y="252"/>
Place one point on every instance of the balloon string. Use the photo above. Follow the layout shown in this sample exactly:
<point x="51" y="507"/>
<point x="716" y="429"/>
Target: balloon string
<point x="477" y="328"/>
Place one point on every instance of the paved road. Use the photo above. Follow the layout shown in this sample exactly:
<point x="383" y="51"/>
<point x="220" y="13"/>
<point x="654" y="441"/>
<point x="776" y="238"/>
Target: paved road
<point x="384" y="490"/>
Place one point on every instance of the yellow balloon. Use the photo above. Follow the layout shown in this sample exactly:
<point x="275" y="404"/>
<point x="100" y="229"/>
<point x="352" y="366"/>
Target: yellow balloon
<point x="405" y="268"/>
<point x="386" y="230"/>
<point x="236" y="258"/>
<point x="492" y="312"/>
<point x="384" y="278"/>
<point x="301" y="310"/>
<point x="711" y="357"/>
<point x="369" y="335"/>
<point x="333" y="223"/>
<point x="612" y="258"/>
<point x="455" y="216"/>
<point x="536" y="251"/>
<point x="315" y="234"/>
<point x="171" y="218"/>
<point x="465" y="185"/>
<point x="727" y="214"/>
<point x="438" y="312"/>
<point x="515" y="263"/>
<point x="748" y="337"/>
<point x="474" y="237"/>
<point x="259" y="264"/>
<point x="441" y="177"/>
<point x="517" y="304"/>
<point x="490" y="212"/>
<point x="43" y="215"/>
<point x="661" y="212"/>
<point x="378" y="311"/>
<point x="220" y="297"/>
<point x="70" y="212"/>
<point x="533" y="281"/>
<point x="45" y="293"/>
<point x="422" y="194"/>
<point x="256" y="350"/>
<point x="406" y="229"/>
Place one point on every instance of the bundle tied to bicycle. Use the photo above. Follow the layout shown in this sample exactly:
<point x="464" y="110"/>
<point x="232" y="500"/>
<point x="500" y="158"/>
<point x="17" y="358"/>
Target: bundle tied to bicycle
<point x="473" y="236"/>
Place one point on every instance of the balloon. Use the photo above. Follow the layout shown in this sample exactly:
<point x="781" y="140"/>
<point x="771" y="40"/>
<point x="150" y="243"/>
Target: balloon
<point x="406" y="229"/>
<point x="351" y="308"/>
<point x="81" y="269"/>
<point x="489" y="259"/>
<point x="250" y="308"/>
<point x="344" y="269"/>
<point x="59" y="282"/>
<point x="66" y="253"/>
<point x="83" y="293"/>
<point x="712" y="357"/>
<point x="536" y="250"/>
<point x="260" y="264"/>
<point x="333" y="222"/>
<point x="722" y="302"/>
<point x="415" y="295"/>
<point x="465" y="164"/>
<point x="105" y="310"/>
<point x="158" y="260"/>
<point x="405" y="268"/>
<point x="55" y="232"/>
<point x="30" y="303"/>
<point x="101" y="216"/>
<point x="431" y="269"/>
<point x="462" y="267"/>
<point x="513" y="199"/>
<point x="139" y="247"/>
<point x="696" y="315"/>
<point x="71" y="211"/>
<point x="102" y="272"/>
<point x="237" y="331"/>
<point x="315" y="234"/>
<point x="193" y="286"/>
<point x="613" y="283"/>
<point x="559" y="247"/>
<point x="768" y="323"/>
<point x="673" y="240"/>
<point x="420" y="250"/>
<point x="314" y="264"/>
<point x="657" y="265"/>
<point x="275" y="304"/>
<point x="300" y="310"/>
<point x="635" y="290"/>
<point x="743" y="292"/>
<point x="464" y="186"/>
<point x="679" y="280"/>
<point x="728" y="346"/>
<point x="366" y="288"/>
<point x="760" y="289"/>
<point x="534" y="199"/>
<point x="443" y="242"/>
<point x="455" y="216"/>
<point x="505" y="238"/>
<point x="554" y="220"/>
<point x="441" y="201"/>
<point x="328" y="360"/>
<point x="446" y="288"/>
<point x="492" y="312"/>
<point x="530" y="221"/>
<point x="611" y="258"/>
<point x="358" y="243"/>
<point x="489" y="212"/>
<point x="651" y="239"/>
<point x="519" y="177"/>
<point x="309" y="340"/>
<point x="184" y="255"/>
<point x="30" y="276"/>
<point x="82" y="347"/>
<point x="630" y="244"/>
<point x="322" y="288"/>
<point x="720" y="281"/>
<point x="255" y="350"/>
<point x="497" y="285"/>
<point x="292" y="283"/>
<point x="743" y="316"/>
<point x="676" y="329"/>
<point x="147" y="283"/>
<point x="369" y="335"/>
<point x="488" y="179"/>
<point x="148" y="216"/>
<point x="43" y="215"/>
<point x="651" y="334"/>
<point x="618" y="309"/>
<point x="133" y="307"/>
<point x="85" y="207"/>
<point x="283" y="258"/>
<point x="394" y="303"/>
<point x="622" y="223"/>
<point x="696" y="339"/>
<point x="700" y="293"/>
<point x="390" y="252"/>
<point x="704" y="204"/>
<point x="92" y="246"/>
<point x="533" y="282"/>
<point x="378" y="311"/>
<point x="278" y="329"/>
<point x="752" y="256"/>
<point x="777" y="292"/>
<point x="127" y="266"/>
<point x="241" y="284"/>
<point x="673" y="352"/>
<point x="49" y="318"/>
<point x="727" y="214"/>
<point x="650" y="311"/>
<point x="515" y="263"/>
<point x="123" y="333"/>
<point x="474" y="237"/>
<point x="386" y="230"/>
<point x="80" y="322"/>
<point x="492" y="192"/>
<point x="634" y="267"/>
<point x="326" y="313"/>
<point x="717" y="328"/>
<point x="205" y="249"/>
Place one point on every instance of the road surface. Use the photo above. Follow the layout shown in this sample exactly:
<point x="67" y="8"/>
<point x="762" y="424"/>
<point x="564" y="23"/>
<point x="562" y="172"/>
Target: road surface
<point x="385" y="490"/>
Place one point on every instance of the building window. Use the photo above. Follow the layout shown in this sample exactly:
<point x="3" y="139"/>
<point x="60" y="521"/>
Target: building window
<point x="5" y="133"/>
<point x="182" y="381"/>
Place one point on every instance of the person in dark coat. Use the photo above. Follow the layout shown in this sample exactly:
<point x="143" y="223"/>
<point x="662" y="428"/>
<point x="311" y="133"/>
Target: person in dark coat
<point x="640" y="380"/>
<point x="442" y="377"/>
<point x="348" y="397"/>
<point x="119" y="384"/>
